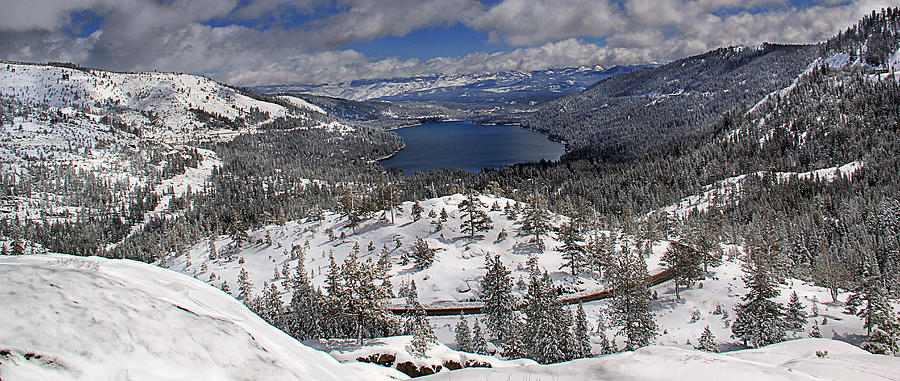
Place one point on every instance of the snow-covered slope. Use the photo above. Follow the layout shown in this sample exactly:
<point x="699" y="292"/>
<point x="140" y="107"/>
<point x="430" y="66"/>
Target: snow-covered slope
<point x="509" y="86"/>
<point x="795" y="360"/>
<point x="166" y="106"/>
<point x="454" y="277"/>
<point x="90" y="318"/>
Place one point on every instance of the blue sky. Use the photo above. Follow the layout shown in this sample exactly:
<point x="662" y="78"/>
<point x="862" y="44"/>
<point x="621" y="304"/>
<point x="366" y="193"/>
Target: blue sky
<point x="256" y="42"/>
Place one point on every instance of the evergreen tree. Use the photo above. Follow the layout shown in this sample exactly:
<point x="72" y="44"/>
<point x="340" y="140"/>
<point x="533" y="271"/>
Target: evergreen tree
<point x="307" y="318"/>
<point x="685" y="262"/>
<point x="537" y="220"/>
<point x="581" y="339"/>
<point x="363" y="295"/>
<point x="479" y="344"/>
<point x="422" y="255"/>
<point x="474" y="219"/>
<point x="631" y="299"/>
<point x="572" y="251"/>
<point x="795" y="316"/>
<point x="707" y="341"/>
<point x="213" y="255"/>
<point x="758" y="321"/>
<point x="499" y="302"/>
<point x="606" y="347"/>
<point x="245" y="287"/>
<point x="463" y="335"/>
<point x="417" y="211"/>
<point x="417" y="324"/>
<point x="879" y="320"/>
<point x="546" y="330"/>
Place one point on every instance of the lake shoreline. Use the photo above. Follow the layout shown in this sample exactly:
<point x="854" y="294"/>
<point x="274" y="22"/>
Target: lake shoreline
<point x="470" y="146"/>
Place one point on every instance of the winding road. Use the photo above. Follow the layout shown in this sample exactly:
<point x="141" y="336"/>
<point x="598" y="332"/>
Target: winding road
<point x="655" y="279"/>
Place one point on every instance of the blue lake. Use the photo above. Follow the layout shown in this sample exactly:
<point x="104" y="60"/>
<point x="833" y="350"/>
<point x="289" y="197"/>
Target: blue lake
<point x="469" y="146"/>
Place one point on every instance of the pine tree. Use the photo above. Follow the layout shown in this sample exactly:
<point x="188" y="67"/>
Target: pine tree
<point x="422" y="255"/>
<point x="474" y="219"/>
<point x="879" y="320"/>
<point x="213" y="255"/>
<point x="707" y="341"/>
<point x="463" y="335"/>
<point x="685" y="262"/>
<point x="537" y="220"/>
<point x="631" y="299"/>
<point x="307" y="307"/>
<point x="815" y="333"/>
<point x="479" y="344"/>
<point x="581" y="339"/>
<point x="606" y="347"/>
<point x="363" y="295"/>
<point x="758" y="321"/>
<point x="417" y="211"/>
<point x="499" y="302"/>
<point x="546" y="330"/>
<point x="572" y="251"/>
<point x="417" y="324"/>
<point x="245" y="287"/>
<point x="795" y="316"/>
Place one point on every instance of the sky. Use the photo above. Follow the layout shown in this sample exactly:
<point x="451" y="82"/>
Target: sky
<point x="264" y="42"/>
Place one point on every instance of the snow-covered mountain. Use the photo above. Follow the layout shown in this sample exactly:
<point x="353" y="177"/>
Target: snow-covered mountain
<point x="501" y="87"/>
<point x="77" y="318"/>
<point x="170" y="107"/>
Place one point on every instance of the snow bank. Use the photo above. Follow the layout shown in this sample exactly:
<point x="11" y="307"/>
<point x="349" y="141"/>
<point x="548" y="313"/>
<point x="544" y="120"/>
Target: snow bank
<point x="97" y="319"/>
<point x="794" y="360"/>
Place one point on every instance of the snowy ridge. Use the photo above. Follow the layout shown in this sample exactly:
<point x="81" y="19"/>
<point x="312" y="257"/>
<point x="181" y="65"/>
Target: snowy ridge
<point x="729" y="189"/>
<point x="97" y="319"/>
<point x="508" y="86"/>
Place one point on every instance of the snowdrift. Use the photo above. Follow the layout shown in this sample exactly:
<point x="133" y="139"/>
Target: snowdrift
<point x="793" y="360"/>
<point x="68" y="317"/>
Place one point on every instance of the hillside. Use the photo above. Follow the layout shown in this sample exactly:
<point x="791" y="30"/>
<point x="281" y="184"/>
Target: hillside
<point x="638" y="113"/>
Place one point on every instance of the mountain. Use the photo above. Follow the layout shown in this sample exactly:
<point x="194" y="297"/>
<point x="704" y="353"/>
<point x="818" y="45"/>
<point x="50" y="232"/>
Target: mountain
<point x="502" y="87"/>
<point x="637" y="113"/>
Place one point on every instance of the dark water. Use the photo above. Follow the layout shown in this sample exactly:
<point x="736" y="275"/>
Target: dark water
<point x="469" y="146"/>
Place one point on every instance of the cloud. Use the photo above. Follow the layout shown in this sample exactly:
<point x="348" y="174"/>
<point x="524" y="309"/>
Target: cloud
<point x="281" y="41"/>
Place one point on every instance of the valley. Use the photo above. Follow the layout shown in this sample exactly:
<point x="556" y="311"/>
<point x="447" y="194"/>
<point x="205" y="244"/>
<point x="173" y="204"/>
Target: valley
<point x="733" y="212"/>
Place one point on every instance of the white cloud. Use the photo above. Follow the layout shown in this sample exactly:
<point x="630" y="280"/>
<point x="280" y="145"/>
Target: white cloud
<point x="173" y="35"/>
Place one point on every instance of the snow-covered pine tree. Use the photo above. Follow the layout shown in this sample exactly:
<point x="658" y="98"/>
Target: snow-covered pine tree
<point x="479" y="343"/>
<point x="499" y="302"/>
<point x="572" y="250"/>
<point x="630" y="305"/>
<point x="417" y="324"/>
<point x="474" y="219"/>
<point x="795" y="314"/>
<point x="245" y="287"/>
<point x="685" y="262"/>
<point x="463" y="335"/>
<point x="759" y="319"/>
<point x="707" y="341"/>
<point x="546" y="332"/>
<point x="882" y="327"/>
<point x="581" y="340"/>
<point x="363" y="295"/>
<point x="270" y="307"/>
<point x="815" y="333"/>
<point x="307" y="317"/>
<point x="422" y="255"/>
<point x="537" y="219"/>
<point x="213" y="254"/>
<point x="417" y="211"/>
<point x="606" y="347"/>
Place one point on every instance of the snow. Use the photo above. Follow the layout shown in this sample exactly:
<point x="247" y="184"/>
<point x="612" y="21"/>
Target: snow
<point x="91" y="318"/>
<point x="453" y="279"/>
<point x="730" y="188"/>
<point x="794" y="360"/>
<point x="299" y="102"/>
<point x="347" y="351"/>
